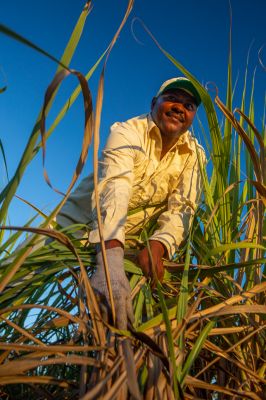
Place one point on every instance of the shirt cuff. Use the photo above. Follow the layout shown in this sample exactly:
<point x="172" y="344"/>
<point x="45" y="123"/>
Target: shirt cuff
<point x="108" y="234"/>
<point x="168" y="240"/>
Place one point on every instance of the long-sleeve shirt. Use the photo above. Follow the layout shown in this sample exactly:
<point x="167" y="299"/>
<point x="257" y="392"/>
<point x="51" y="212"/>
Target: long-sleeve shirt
<point x="132" y="176"/>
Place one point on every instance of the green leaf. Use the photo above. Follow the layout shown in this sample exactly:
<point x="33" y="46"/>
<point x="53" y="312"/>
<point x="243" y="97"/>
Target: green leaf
<point x="7" y="194"/>
<point x="193" y="354"/>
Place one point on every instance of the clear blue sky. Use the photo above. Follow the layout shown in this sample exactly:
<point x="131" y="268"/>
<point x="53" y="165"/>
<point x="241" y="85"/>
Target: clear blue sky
<point x="194" y="32"/>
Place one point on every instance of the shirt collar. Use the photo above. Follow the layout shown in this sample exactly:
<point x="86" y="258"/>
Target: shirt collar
<point x="184" y="140"/>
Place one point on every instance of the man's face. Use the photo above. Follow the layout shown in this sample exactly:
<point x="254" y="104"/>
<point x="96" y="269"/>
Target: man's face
<point x="173" y="112"/>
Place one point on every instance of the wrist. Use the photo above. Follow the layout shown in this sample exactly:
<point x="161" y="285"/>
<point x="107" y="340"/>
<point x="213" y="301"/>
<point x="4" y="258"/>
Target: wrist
<point x="109" y="244"/>
<point x="114" y="258"/>
<point x="160" y="247"/>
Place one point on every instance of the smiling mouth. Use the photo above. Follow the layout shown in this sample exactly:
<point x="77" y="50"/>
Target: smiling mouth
<point x="176" y="117"/>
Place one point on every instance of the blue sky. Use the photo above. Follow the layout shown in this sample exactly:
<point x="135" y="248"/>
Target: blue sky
<point x="194" y="32"/>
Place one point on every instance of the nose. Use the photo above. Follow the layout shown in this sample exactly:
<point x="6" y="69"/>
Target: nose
<point x="178" y="107"/>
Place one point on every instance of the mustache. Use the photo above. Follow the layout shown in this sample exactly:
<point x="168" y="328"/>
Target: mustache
<point x="176" y="114"/>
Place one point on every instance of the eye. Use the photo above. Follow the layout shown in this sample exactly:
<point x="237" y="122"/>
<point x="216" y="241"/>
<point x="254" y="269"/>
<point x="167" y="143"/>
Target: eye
<point x="171" y="97"/>
<point x="190" y="106"/>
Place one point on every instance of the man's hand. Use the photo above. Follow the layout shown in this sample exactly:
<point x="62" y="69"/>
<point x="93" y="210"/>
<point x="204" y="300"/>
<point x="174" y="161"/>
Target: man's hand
<point x="120" y="286"/>
<point x="144" y="260"/>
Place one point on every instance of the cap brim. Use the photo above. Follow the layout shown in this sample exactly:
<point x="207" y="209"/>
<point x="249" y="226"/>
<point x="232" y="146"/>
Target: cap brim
<point x="185" y="85"/>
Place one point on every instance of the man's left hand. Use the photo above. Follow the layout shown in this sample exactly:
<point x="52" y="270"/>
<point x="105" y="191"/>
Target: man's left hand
<point x="154" y="268"/>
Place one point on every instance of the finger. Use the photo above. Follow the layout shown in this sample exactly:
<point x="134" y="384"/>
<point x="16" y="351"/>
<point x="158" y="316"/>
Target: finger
<point x="154" y="283"/>
<point x="143" y="260"/>
<point x="160" y="271"/>
<point x="130" y="312"/>
<point x="121" y="315"/>
<point x="105" y="312"/>
<point x="154" y="276"/>
<point x="103" y="306"/>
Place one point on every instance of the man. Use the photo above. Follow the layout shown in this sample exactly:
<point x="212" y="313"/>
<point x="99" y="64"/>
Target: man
<point x="149" y="163"/>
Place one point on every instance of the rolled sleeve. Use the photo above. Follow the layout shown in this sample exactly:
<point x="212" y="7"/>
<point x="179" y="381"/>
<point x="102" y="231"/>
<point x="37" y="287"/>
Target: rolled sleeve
<point x="182" y="202"/>
<point x="115" y="183"/>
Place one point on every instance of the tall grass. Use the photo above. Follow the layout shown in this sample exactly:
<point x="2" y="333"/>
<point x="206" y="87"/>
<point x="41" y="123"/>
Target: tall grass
<point x="199" y="335"/>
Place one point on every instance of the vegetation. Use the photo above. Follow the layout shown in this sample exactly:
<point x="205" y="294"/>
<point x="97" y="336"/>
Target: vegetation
<point x="199" y="335"/>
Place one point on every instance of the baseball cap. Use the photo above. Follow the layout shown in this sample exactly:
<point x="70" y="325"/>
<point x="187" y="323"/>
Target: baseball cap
<point x="180" y="83"/>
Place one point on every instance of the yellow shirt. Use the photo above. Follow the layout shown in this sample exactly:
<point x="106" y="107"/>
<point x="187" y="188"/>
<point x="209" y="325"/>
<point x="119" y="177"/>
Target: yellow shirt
<point x="131" y="175"/>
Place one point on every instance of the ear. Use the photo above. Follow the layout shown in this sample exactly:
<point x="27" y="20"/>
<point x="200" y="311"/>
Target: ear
<point x="153" y="102"/>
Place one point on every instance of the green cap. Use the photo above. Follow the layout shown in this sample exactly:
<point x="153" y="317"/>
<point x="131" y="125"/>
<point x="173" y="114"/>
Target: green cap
<point x="180" y="83"/>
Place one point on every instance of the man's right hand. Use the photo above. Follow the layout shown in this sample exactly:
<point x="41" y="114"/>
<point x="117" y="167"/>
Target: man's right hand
<point x="119" y="282"/>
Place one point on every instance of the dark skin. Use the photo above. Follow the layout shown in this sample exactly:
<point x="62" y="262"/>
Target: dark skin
<point x="173" y="113"/>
